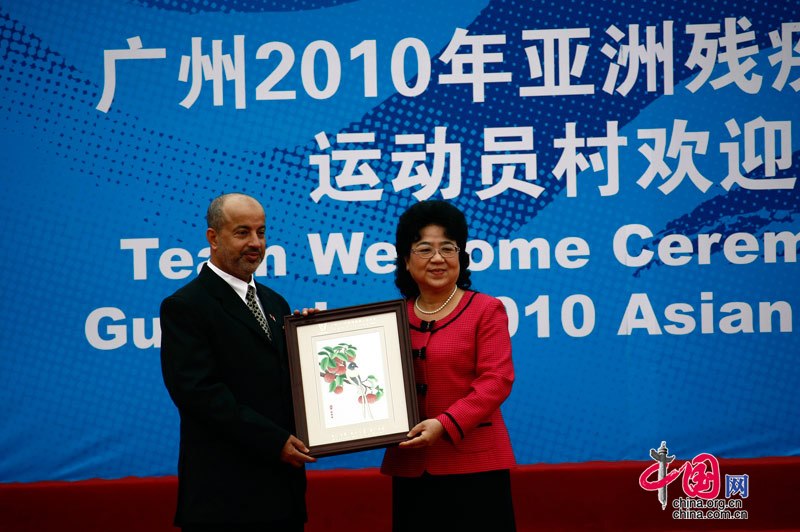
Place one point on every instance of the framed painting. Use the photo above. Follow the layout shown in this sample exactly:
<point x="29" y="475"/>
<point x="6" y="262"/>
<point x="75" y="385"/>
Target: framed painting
<point x="352" y="377"/>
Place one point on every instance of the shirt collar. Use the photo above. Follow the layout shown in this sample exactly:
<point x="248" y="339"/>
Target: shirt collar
<point x="239" y="286"/>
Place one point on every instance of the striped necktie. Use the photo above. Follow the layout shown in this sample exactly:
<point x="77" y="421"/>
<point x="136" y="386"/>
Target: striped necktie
<point x="252" y="304"/>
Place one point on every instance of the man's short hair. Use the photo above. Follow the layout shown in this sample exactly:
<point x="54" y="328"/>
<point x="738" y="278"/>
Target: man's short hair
<point x="215" y="217"/>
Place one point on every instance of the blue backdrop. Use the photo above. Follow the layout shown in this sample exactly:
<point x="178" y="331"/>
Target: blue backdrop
<point x="628" y="172"/>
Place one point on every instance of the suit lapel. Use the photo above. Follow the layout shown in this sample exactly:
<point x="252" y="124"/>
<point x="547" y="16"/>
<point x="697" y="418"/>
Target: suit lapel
<point x="274" y="316"/>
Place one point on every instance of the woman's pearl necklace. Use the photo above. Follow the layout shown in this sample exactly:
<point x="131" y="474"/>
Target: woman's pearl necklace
<point x="416" y="303"/>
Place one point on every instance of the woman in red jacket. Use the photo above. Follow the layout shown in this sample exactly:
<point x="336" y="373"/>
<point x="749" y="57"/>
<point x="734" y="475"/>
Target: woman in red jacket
<point x="454" y="471"/>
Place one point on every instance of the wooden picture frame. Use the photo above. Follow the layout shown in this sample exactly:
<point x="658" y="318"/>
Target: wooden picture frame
<point x="352" y="377"/>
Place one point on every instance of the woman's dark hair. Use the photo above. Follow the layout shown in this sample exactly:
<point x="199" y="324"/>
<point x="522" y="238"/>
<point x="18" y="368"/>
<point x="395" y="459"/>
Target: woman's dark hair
<point x="411" y="222"/>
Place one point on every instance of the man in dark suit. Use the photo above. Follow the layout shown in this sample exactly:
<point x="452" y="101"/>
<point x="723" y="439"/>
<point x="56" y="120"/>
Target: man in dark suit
<point x="223" y="356"/>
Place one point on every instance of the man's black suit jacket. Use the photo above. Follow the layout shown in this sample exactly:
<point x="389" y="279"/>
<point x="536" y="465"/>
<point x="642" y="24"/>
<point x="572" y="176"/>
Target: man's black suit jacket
<point x="232" y="389"/>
